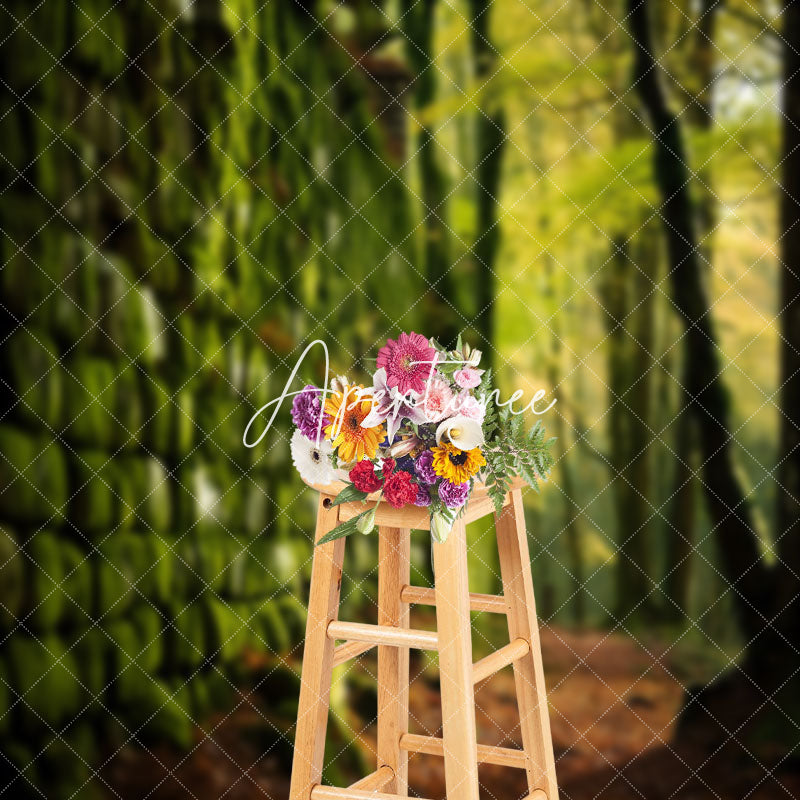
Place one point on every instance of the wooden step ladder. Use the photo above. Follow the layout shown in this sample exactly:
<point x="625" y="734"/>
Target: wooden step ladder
<point x="393" y="638"/>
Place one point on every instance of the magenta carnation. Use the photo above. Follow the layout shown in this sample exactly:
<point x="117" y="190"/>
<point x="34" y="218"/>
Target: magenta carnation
<point x="405" y="362"/>
<point x="423" y="466"/>
<point x="454" y="495"/>
<point x="306" y="411"/>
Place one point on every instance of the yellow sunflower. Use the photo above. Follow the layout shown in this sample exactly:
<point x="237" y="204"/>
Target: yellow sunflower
<point x="457" y="466"/>
<point x="346" y="412"/>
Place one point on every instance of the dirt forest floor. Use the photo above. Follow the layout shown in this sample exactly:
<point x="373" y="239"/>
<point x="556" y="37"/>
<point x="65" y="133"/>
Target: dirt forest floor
<point x="614" y="715"/>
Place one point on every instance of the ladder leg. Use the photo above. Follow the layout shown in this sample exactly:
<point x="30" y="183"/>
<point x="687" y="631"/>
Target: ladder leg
<point x="315" y="685"/>
<point x="393" y="574"/>
<point x="455" y="665"/>
<point x="515" y="569"/>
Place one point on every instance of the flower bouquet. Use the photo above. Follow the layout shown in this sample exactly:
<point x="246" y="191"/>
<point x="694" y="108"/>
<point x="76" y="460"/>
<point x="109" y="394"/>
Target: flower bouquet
<point x="424" y="433"/>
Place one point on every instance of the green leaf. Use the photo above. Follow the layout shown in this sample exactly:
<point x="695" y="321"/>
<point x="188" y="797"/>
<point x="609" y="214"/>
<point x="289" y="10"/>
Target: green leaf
<point x="448" y="369"/>
<point x="348" y="495"/>
<point x="345" y="529"/>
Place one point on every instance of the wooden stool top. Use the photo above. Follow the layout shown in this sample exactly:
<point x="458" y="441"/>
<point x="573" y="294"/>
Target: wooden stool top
<point x="417" y="517"/>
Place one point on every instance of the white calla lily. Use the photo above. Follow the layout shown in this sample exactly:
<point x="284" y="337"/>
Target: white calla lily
<point x="463" y="432"/>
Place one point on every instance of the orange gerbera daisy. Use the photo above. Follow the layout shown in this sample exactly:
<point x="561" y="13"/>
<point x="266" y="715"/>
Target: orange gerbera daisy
<point x="347" y="410"/>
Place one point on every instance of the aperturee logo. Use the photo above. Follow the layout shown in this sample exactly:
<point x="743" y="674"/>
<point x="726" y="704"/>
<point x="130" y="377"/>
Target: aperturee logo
<point x="429" y="402"/>
<point x="427" y="431"/>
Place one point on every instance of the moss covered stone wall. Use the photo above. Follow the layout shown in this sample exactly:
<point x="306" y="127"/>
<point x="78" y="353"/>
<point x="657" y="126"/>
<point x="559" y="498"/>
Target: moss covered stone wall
<point x="191" y="192"/>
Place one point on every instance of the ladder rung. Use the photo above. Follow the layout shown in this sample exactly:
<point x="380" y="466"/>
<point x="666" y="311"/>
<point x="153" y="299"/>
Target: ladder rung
<point x="502" y="657"/>
<point x="375" y="781"/>
<point x="383" y="634"/>
<point x="419" y="595"/>
<point x="320" y="792"/>
<point x="487" y="753"/>
<point x="344" y="652"/>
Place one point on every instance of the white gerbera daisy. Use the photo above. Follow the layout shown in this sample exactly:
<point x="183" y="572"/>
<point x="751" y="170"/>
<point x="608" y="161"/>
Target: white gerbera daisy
<point x="312" y="462"/>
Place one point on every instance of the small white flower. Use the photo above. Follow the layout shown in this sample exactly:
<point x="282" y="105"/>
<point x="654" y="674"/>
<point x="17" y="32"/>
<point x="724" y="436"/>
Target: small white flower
<point x="440" y="527"/>
<point x="340" y="384"/>
<point x="366" y="522"/>
<point x="312" y="462"/>
<point x="463" y="432"/>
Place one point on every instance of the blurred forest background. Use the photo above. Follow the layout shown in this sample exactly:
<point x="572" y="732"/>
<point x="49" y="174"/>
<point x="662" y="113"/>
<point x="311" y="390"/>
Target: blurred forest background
<point x="602" y="196"/>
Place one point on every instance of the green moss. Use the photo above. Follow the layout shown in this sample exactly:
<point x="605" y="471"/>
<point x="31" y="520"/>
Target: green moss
<point x="144" y="486"/>
<point x="120" y="562"/>
<point x="128" y="409"/>
<point x="125" y="644"/>
<point x="36" y="378"/>
<point x="92" y="654"/>
<point x="156" y="581"/>
<point x="183" y="427"/>
<point x="77" y="584"/>
<point x="274" y="630"/>
<point x="89" y="393"/>
<point x="155" y="503"/>
<point x="18" y="497"/>
<point x="228" y="631"/>
<point x="129" y="247"/>
<point x="27" y="783"/>
<point x="93" y="506"/>
<point x="245" y="575"/>
<point x="148" y="624"/>
<point x="45" y="577"/>
<point x="160" y="710"/>
<point x="12" y="578"/>
<point x="215" y="548"/>
<point x="159" y="414"/>
<point x="45" y="673"/>
<point x="171" y="721"/>
<point x="191" y="639"/>
<point x="49" y="474"/>
<point x="65" y="768"/>
<point x="5" y="698"/>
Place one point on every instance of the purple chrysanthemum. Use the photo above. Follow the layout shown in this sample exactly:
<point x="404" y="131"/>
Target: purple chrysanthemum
<point x="454" y="495"/>
<point x="306" y="411"/>
<point x="423" y="496"/>
<point x="423" y="466"/>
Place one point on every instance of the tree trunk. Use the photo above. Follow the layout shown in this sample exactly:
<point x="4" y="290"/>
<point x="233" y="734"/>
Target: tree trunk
<point x="614" y="291"/>
<point x="572" y="531"/>
<point x="441" y="317"/>
<point x="729" y="509"/>
<point x="490" y="137"/>
<point x="788" y="512"/>
<point x="682" y="518"/>
<point x="787" y="622"/>
<point x="636" y="403"/>
<point x="682" y="514"/>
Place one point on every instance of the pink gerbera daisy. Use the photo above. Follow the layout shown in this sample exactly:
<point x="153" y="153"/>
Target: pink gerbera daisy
<point x="405" y="362"/>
